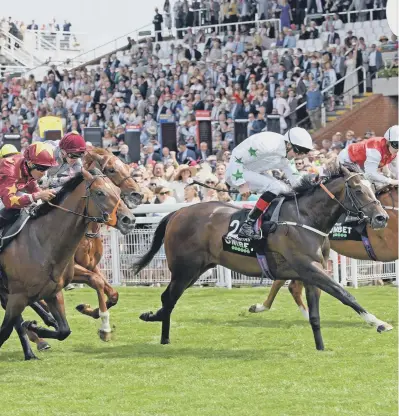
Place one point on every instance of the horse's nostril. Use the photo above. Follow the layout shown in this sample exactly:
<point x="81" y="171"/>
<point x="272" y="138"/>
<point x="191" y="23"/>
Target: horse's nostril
<point x="128" y="221"/>
<point x="380" y="218"/>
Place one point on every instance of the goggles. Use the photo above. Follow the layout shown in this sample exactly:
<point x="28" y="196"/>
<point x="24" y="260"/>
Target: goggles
<point x="394" y="145"/>
<point x="74" y="155"/>
<point x="41" y="168"/>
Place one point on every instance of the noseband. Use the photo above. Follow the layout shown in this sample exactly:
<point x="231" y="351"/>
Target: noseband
<point x="358" y="212"/>
<point x="105" y="218"/>
<point x="125" y="178"/>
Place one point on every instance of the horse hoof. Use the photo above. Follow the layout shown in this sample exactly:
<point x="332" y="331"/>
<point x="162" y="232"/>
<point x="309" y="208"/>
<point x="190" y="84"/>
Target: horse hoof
<point x="257" y="308"/>
<point x="165" y="341"/>
<point x="384" y="328"/>
<point x="31" y="357"/>
<point x="146" y="316"/>
<point x="82" y="307"/>
<point x="43" y="346"/>
<point x="105" y="336"/>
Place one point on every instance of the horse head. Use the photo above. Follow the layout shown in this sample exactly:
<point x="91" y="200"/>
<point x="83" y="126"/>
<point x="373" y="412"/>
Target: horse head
<point x="104" y="204"/>
<point x="119" y="173"/>
<point x="359" y="198"/>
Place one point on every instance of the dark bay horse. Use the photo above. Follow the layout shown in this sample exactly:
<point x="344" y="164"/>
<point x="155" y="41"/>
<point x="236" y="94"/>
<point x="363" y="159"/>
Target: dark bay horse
<point x="384" y="243"/>
<point x="45" y="249"/>
<point x="193" y="244"/>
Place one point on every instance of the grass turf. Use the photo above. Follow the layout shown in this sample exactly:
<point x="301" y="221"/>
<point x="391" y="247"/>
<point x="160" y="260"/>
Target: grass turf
<point x="222" y="360"/>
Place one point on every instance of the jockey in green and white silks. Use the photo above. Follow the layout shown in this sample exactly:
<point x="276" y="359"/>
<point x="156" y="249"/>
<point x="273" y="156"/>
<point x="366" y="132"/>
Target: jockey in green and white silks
<point x="259" y="153"/>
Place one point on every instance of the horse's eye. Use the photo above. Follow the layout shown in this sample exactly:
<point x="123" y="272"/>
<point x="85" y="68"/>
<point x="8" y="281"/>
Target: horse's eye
<point x="100" y="193"/>
<point x="359" y="192"/>
<point x="111" y="170"/>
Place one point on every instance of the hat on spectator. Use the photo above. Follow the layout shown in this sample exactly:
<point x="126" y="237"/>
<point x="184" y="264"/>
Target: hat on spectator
<point x="211" y="178"/>
<point x="182" y="168"/>
<point x="152" y="130"/>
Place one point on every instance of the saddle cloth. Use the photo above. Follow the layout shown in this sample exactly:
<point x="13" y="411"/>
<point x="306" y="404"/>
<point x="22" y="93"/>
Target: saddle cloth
<point x="13" y="226"/>
<point x="346" y="232"/>
<point x="248" y="247"/>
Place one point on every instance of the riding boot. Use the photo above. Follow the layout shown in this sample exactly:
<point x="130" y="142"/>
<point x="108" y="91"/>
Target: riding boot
<point x="247" y="229"/>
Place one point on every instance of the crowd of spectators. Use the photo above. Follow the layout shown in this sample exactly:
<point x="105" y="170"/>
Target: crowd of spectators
<point x="18" y="28"/>
<point x="183" y="13"/>
<point x="230" y="75"/>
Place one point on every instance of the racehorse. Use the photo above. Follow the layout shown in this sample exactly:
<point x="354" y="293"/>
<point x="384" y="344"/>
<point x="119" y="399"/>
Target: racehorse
<point x="298" y="249"/>
<point x="384" y="243"/>
<point x="90" y="249"/>
<point x="45" y="248"/>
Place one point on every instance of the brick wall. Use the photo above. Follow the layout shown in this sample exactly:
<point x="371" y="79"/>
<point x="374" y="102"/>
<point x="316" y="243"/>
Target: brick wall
<point x="374" y="113"/>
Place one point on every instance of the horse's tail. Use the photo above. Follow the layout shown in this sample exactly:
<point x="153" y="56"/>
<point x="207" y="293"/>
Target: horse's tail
<point x="156" y="244"/>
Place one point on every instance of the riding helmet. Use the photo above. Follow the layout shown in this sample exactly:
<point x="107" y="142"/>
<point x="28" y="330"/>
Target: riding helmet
<point x="40" y="153"/>
<point x="73" y="142"/>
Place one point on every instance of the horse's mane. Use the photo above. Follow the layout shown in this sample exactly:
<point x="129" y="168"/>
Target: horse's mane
<point x="308" y="185"/>
<point x="99" y="151"/>
<point x="87" y="160"/>
<point x="66" y="189"/>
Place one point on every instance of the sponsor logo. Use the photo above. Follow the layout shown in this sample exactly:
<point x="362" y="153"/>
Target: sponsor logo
<point x="341" y="231"/>
<point x="241" y="246"/>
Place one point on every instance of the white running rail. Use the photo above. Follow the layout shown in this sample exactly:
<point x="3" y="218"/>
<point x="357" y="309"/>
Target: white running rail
<point x="120" y="252"/>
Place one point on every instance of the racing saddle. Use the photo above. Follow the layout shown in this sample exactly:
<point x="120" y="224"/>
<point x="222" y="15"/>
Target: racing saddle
<point x="12" y="221"/>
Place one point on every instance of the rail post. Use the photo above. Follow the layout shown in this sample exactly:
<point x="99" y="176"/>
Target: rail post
<point x="354" y="273"/>
<point x="115" y="257"/>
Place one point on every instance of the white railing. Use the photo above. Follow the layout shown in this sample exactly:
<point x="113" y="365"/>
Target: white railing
<point x="362" y="13"/>
<point x="11" y="69"/>
<point x="120" y="252"/>
<point x="359" y="68"/>
<point x="14" y="49"/>
<point x="56" y="41"/>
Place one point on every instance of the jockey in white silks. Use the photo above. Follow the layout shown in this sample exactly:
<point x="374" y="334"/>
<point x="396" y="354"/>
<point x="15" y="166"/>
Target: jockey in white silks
<point x="253" y="157"/>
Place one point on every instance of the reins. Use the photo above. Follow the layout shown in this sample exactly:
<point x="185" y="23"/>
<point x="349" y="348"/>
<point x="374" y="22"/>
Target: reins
<point x="348" y="192"/>
<point x="109" y="219"/>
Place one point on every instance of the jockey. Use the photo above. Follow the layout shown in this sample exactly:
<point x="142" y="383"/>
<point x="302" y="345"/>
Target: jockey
<point x="257" y="154"/>
<point x="373" y="154"/>
<point x="18" y="176"/>
<point x="8" y="150"/>
<point x="68" y="152"/>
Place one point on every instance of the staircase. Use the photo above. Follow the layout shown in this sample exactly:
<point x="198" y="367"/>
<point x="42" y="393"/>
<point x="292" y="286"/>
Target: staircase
<point x="343" y="109"/>
<point x="15" y="53"/>
<point x="369" y="112"/>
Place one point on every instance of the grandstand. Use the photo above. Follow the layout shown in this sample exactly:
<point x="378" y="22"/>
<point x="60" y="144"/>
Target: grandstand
<point x="214" y="78"/>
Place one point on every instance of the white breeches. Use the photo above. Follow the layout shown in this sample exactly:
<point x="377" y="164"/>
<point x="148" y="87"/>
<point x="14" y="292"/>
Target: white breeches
<point x="343" y="156"/>
<point x="260" y="183"/>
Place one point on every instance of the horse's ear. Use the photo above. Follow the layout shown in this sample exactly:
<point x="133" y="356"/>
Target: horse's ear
<point x="87" y="175"/>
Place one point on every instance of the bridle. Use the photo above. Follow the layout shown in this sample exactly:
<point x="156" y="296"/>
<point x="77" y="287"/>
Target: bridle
<point x="349" y="194"/>
<point x="122" y="181"/>
<point x="105" y="218"/>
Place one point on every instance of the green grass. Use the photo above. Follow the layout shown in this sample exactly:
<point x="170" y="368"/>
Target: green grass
<point x="222" y="360"/>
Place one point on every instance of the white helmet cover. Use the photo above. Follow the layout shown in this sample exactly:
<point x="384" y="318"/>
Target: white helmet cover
<point x="392" y="134"/>
<point x="298" y="136"/>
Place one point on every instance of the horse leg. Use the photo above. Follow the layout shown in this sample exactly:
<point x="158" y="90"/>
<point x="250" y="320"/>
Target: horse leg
<point x="267" y="304"/>
<point x="295" y="287"/>
<point x="46" y="316"/>
<point x="92" y="279"/>
<point x="56" y="306"/>
<point x="15" y="305"/>
<point x="41" y="344"/>
<point x="169" y="298"/>
<point x="315" y="275"/>
<point x="28" y="353"/>
<point x="313" y="297"/>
